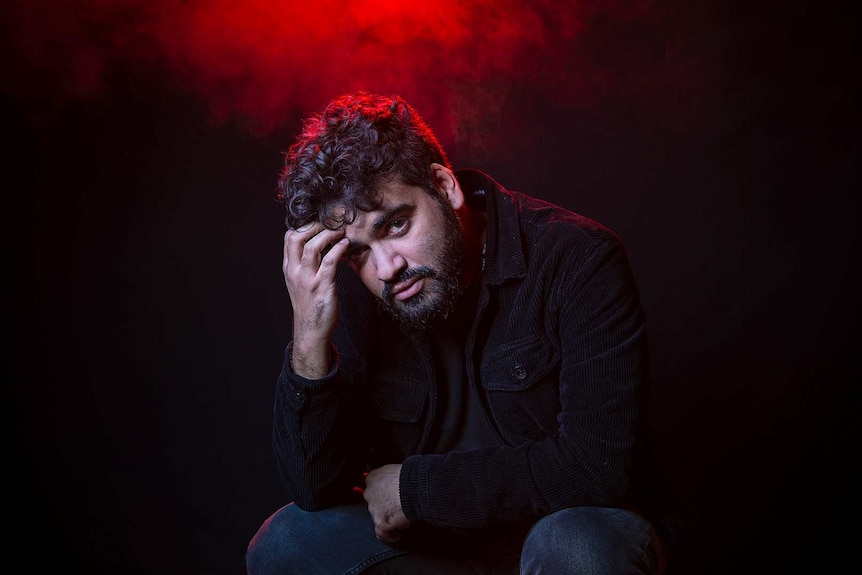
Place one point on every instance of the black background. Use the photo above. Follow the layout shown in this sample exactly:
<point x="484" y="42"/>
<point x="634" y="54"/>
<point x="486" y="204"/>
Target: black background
<point x="144" y="300"/>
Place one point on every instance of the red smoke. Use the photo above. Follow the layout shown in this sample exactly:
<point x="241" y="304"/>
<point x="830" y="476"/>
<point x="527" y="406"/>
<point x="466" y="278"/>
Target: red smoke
<point x="263" y="60"/>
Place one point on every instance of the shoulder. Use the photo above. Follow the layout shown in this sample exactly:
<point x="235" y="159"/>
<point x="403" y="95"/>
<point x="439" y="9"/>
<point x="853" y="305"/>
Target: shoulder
<point x="556" y="229"/>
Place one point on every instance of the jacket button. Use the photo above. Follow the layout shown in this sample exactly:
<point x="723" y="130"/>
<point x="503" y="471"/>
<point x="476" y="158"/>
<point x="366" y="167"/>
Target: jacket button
<point x="519" y="371"/>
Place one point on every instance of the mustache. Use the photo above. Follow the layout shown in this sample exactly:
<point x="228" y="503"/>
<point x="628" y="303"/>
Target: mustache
<point x="417" y="272"/>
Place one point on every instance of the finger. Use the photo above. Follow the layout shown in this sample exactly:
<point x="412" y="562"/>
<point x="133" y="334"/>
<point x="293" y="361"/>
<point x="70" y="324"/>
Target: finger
<point x="295" y="239"/>
<point x="387" y="535"/>
<point x="335" y="253"/>
<point x="285" y="252"/>
<point x="317" y="247"/>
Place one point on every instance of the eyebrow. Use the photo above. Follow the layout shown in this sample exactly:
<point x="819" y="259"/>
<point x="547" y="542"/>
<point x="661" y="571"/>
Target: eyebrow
<point x="390" y="213"/>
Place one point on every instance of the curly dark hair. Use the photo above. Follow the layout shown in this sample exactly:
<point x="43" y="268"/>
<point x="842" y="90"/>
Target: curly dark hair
<point x="359" y="142"/>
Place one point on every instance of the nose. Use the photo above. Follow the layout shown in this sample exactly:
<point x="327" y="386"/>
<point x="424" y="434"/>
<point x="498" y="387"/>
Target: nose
<point x="389" y="263"/>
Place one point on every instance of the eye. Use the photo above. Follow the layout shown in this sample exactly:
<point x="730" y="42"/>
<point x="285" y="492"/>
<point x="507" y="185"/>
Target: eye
<point x="355" y="254"/>
<point x="398" y="226"/>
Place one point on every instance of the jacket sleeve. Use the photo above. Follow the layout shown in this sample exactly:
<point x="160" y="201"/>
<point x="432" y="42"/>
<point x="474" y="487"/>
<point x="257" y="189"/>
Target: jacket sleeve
<point x="587" y="457"/>
<point x="319" y="447"/>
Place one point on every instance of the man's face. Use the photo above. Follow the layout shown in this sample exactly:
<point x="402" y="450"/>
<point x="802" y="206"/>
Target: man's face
<point x="410" y="254"/>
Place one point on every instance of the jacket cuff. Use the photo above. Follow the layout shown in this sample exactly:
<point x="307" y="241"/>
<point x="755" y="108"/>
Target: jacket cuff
<point x="414" y="488"/>
<point x="299" y="388"/>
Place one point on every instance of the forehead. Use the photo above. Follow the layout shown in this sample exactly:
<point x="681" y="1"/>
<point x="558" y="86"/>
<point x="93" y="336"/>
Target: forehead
<point x="394" y="197"/>
<point x="395" y="192"/>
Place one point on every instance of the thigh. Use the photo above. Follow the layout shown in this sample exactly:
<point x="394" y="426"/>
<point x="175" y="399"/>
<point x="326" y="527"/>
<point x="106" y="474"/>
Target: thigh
<point x="335" y="541"/>
<point x="591" y="540"/>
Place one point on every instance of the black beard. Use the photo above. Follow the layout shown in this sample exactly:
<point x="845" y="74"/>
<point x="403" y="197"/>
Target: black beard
<point x="442" y="288"/>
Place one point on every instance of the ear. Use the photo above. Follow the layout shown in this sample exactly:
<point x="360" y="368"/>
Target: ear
<point x="447" y="184"/>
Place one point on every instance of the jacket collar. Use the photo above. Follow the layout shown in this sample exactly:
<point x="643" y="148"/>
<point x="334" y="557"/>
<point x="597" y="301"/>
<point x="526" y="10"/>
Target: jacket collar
<point x="504" y="252"/>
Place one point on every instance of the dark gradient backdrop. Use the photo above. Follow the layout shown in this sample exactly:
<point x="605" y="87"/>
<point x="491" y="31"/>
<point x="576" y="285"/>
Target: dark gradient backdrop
<point x="143" y="298"/>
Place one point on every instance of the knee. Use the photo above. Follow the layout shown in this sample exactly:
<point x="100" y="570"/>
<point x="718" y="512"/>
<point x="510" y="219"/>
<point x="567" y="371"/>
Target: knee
<point x="271" y="548"/>
<point x="587" y="541"/>
<point x="555" y="546"/>
<point x="297" y="542"/>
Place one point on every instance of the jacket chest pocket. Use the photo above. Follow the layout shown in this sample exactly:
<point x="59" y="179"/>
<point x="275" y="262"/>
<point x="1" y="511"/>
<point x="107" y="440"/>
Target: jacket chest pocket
<point x="519" y="364"/>
<point x="398" y="406"/>
<point x="398" y="399"/>
<point x="521" y="379"/>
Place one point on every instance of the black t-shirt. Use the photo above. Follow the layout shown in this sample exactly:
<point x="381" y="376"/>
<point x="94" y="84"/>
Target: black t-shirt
<point x="459" y="423"/>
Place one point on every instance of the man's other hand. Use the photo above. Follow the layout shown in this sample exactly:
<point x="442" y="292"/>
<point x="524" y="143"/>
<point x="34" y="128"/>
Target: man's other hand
<point x="384" y="502"/>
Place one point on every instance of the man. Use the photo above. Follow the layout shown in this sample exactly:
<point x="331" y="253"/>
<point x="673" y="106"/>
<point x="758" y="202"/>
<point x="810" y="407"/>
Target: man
<point x="464" y="390"/>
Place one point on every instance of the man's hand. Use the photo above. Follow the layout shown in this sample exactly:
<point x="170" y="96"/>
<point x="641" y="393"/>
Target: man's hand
<point x="384" y="502"/>
<point x="309" y="275"/>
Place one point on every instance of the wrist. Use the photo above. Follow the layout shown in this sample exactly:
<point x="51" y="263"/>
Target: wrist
<point x="310" y="361"/>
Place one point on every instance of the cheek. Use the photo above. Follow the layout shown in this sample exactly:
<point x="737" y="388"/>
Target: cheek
<point x="368" y="276"/>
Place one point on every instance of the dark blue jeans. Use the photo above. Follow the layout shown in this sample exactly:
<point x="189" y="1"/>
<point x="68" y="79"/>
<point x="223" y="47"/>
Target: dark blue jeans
<point x="341" y="541"/>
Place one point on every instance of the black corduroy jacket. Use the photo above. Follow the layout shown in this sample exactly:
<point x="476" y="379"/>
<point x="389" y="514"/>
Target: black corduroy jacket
<point x="557" y="350"/>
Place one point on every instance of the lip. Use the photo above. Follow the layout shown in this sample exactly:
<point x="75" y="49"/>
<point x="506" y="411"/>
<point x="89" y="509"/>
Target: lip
<point x="407" y="289"/>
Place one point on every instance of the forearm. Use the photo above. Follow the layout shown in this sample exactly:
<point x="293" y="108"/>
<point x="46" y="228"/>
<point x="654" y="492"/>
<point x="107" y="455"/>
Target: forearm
<point x="487" y="487"/>
<point x="311" y="360"/>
